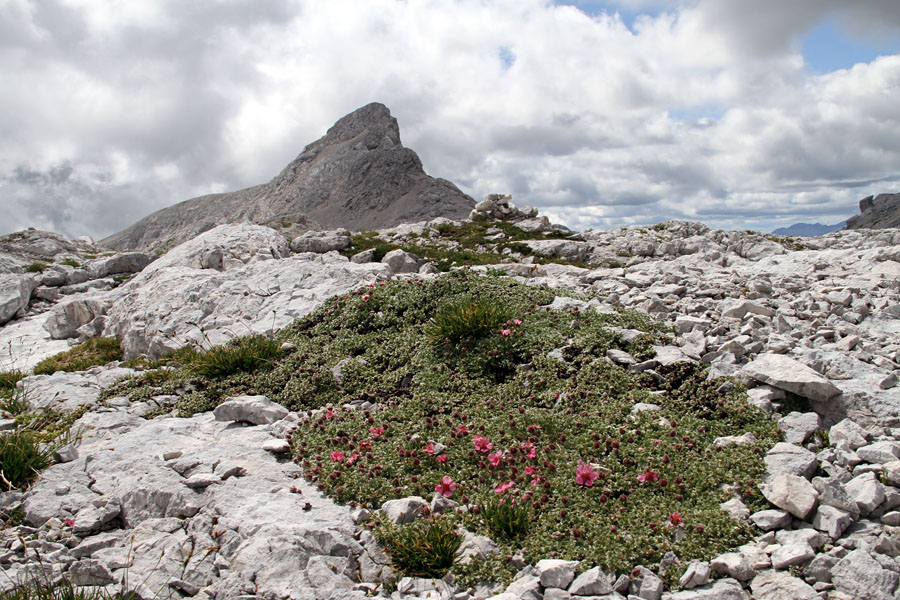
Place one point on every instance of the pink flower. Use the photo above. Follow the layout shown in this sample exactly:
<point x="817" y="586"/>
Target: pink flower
<point x="676" y="519"/>
<point x="337" y="456"/>
<point x="529" y="470"/>
<point x="442" y="458"/>
<point x="329" y="414"/>
<point x="353" y="457"/>
<point x="502" y="487"/>
<point x="482" y="444"/>
<point x="429" y="449"/>
<point x="371" y="286"/>
<point x="585" y="474"/>
<point x="495" y="457"/>
<point x="69" y="522"/>
<point x="446" y="487"/>
<point x="462" y="429"/>
<point x="532" y="451"/>
<point x="376" y="432"/>
<point x="648" y="475"/>
<point x="517" y="322"/>
<point x="505" y="332"/>
<point x="365" y="298"/>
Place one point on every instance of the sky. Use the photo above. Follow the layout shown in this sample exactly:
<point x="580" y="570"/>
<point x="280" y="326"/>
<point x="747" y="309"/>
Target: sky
<point x="740" y="114"/>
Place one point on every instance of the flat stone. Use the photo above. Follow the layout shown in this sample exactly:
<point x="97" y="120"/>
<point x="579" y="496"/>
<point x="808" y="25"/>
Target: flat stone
<point x="863" y="578"/>
<point x="867" y="491"/>
<point x="555" y="573"/>
<point x="277" y="446"/>
<point x="849" y="432"/>
<point x="404" y="510"/>
<point x="775" y="585"/>
<point x="879" y="452"/>
<point x="833" y="493"/>
<point x="696" y="574"/>
<point x="788" y="459"/>
<point x="832" y="521"/>
<point x="732" y="564"/>
<point x="785" y="373"/>
<point x="767" y="520"/>
<point x="593" y="582"/>
<point x="798" y="427"/>
<point x="258" y="410"/>
<point x="722" y="589"/>
<point x="792" y="493"/>
<point x="792" y="554"/>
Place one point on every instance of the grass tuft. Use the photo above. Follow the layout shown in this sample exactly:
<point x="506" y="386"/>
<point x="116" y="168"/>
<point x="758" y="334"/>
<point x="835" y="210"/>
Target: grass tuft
<point x="243" y="354"/>
<point x="22" y="458"/>
<point x="91" y="353"/>
<point x="427" y="547"/>
<point x="467" y="320"/>
<point x="8" y="381"/>
<point x="506" y="517"/>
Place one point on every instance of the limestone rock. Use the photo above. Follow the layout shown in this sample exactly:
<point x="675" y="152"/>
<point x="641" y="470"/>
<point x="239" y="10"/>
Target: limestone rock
<point x="774" y="585"/>
<point x="790" y="375"/>
<point x="555" y="573"/>
<point x="793" y="494"/>
<point x="863" y="578"/>
<point x="401" y="262"/>
<point x="321" y="241"/>
<point x="15" y="292"/>
<point x="126" y="262"/>
<point x="404" y="510"/>
<point x="66" y="318"/>
<point x="258" y="410"/>
<point x="358" y="175"/>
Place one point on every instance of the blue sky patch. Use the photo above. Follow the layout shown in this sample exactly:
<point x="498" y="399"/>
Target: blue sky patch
<point x="828" y="47"/>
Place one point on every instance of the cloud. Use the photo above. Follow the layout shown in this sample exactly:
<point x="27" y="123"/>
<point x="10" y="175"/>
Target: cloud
<point x="702" y="109"/>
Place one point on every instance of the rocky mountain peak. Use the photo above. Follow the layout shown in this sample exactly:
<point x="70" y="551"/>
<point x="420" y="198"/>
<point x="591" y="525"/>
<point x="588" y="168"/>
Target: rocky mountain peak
<point x="357" y="176"/>
<point x="877" y="212"/>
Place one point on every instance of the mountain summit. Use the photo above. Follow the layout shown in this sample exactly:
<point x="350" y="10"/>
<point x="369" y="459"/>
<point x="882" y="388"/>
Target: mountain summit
<point x="358" y="176"/>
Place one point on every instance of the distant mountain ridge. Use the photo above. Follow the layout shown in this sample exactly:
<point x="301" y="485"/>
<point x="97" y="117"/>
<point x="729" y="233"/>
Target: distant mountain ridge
<point x="809" y="229"/>
<point x="358" y="176"/>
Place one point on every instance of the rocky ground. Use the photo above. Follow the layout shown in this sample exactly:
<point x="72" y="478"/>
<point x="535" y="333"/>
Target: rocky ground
<point x="208" y="507"/>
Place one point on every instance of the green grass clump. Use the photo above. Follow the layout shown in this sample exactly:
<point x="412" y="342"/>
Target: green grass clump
<point x="70" y="262"/>
<point x="423" y="548"/>
<point x="22" y="458"/>
<point x="506" y="518"/>
<point x="467" y="320"/>
<point x="91" y="353"/>
<point x="35" y="267"/>
<point x="8" y="381"/>
<point x="242" y="354"/>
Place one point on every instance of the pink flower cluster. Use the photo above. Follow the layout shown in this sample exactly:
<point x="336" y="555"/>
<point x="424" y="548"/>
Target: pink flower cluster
<point x="585" y="474"/>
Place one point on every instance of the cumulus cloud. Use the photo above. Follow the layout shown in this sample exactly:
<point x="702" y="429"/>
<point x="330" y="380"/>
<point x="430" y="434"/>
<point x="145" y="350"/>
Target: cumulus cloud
<point x="702" y="109"/>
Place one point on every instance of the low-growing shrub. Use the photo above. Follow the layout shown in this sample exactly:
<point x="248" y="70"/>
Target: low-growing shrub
<point x="71" y="262"/>
<point x="427" y="547"/>
<point x="241" y="354"/>
<point x="468" y="320"/>
<point x="91" y="353"/>
<point x="22" y="458"/>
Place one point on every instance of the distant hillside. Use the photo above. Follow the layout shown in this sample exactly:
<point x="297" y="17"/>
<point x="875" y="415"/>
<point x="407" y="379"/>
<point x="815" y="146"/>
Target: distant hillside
<point x="809" y="229"/>
<point x="358" y="176"/>
<point x="877" y="212"/>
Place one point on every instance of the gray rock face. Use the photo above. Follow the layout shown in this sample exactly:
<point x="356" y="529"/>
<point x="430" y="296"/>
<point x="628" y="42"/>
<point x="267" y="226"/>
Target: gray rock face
<point x="66" y="318"/>
<point x="15" y="292"/>
<point x="127" y="262"/>
<point x="253" y="285"/>
<point x="358" y="176"/>
<point x="878" y="212"/>
<point x="321" y="241"/>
